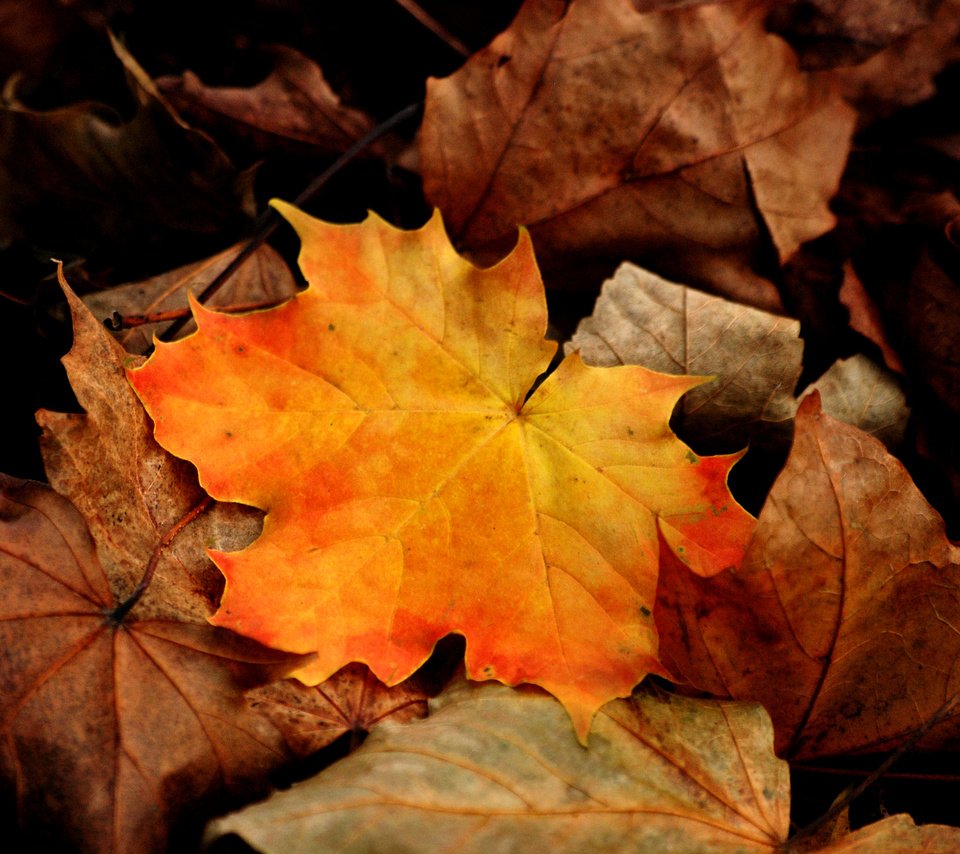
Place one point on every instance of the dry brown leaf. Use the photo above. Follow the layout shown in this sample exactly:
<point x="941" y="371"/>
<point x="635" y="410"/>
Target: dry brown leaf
<point x="109" y="733"/>
<point x="903" y="73"/>
<point x="488" y="771"/>
<point x="129" y="489"/>
<point x="263" y="277"/>
<point x="99" y="184"/>
<point x="293" y="109"/>
<point x="826" y="33"/>
<point x="841" y="619"/>
<point x="865" y="316"/>
<point x="352" y="700"/>
<point x="683" y="136"/>
<point x="756" y="357"/>
<point x="928" y="336"/>
<point x="860" y="392"/>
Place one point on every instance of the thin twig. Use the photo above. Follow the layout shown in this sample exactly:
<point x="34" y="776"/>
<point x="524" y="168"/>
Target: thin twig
<point x="116" y="321"/>
<point x="861" y="787"/>
<point x="435" y="27"/>
<point x="15" y="299"/>
<point x="117" y="614"/>
<point x="862" y="772"/>
<point x="268" y="221"/>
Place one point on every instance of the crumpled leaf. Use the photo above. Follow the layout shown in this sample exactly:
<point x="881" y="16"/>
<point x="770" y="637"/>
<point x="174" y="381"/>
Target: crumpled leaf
<point x="488" y="769"/>
<point x="99" y="184"/>
<point x="292" y="110"/>
<point x="263" y="277"/>
<point x="685" y="138"/>
<point x="413" y="490"/>
<point x="827" y="34"/>
<point x="756" y="357"/>
<point x="487" y="772"/>
<point x="841" y="619"/>
<point x="352" y="700"/>
<point x="128" y="489"/>
<point x="109" y="733"/>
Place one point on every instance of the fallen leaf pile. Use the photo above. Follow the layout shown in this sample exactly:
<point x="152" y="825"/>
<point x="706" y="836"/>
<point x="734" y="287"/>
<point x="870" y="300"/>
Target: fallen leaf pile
<point x="379" y="539"/>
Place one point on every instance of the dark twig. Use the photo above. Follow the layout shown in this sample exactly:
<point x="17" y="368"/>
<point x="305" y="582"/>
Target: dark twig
<point x="117" y="322"/>
<point x="854" y="793"/>
<point x="268" y="221"/>
<point x="435" y="27"/>
<point x="117" y="614"/>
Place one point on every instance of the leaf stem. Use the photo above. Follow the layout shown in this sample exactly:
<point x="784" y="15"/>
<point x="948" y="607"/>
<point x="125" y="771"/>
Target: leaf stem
<point x="117" y="614"/>
<point x="268" y="221"/>
<point x="435" y="27"/>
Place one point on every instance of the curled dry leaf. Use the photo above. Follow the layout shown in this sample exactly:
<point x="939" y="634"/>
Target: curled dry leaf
<point x="755" y="357"/>
<point x="108" y="733"/>
<point x="293" y="109"/>
<point x="101" y="184"/>
<point x="488" y="770"/>
<point x="685" y="137"/>
<point x="263" y="277"/>
<point x="841" y="619"/>
<point x="865" y="316"/>
<point x="128" y="489"/>
<point x="352" y="700"/>
<point x="903" y="73"/>
<point x="413" y="489"/>
<point x="826" y="33"/>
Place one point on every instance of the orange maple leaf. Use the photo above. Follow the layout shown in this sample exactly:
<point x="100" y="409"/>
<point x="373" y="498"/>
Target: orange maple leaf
<point x="381" y="419"/>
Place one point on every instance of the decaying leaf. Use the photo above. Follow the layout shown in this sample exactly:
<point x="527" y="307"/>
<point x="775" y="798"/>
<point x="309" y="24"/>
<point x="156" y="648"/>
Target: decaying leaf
<point x="865" y="316"/>
<point x="90" y="187"/>
<point x="842" y="618"/>
<point x="263" y="277"/>
<point x="352" y="700"/>
<point x="488" y="772"/>
<point x="710" y="145"/>
<point x="492" y="769"/>
<point x="903" y="73"/>
<point x="109" y="732"/>
<point x="756" y="357"/>
<point x="826" y="33"/>
<point x="860" y="392"/>
<point x="413" y="490"/>
<point x="128" y="489"/>
<point x="292" y="110"/>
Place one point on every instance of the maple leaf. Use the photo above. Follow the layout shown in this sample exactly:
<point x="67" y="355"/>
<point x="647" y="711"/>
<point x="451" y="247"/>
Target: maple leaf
<point x="128" y="489"/>
<point x="686" y="137"/>
<point x="664" y="773"/>
<point x="293" y="110"/>
<point x="841" y="619"/>
<point x="110" y="728"/>
<point x="352" y="700"/>
<point x="381" y="419"/>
